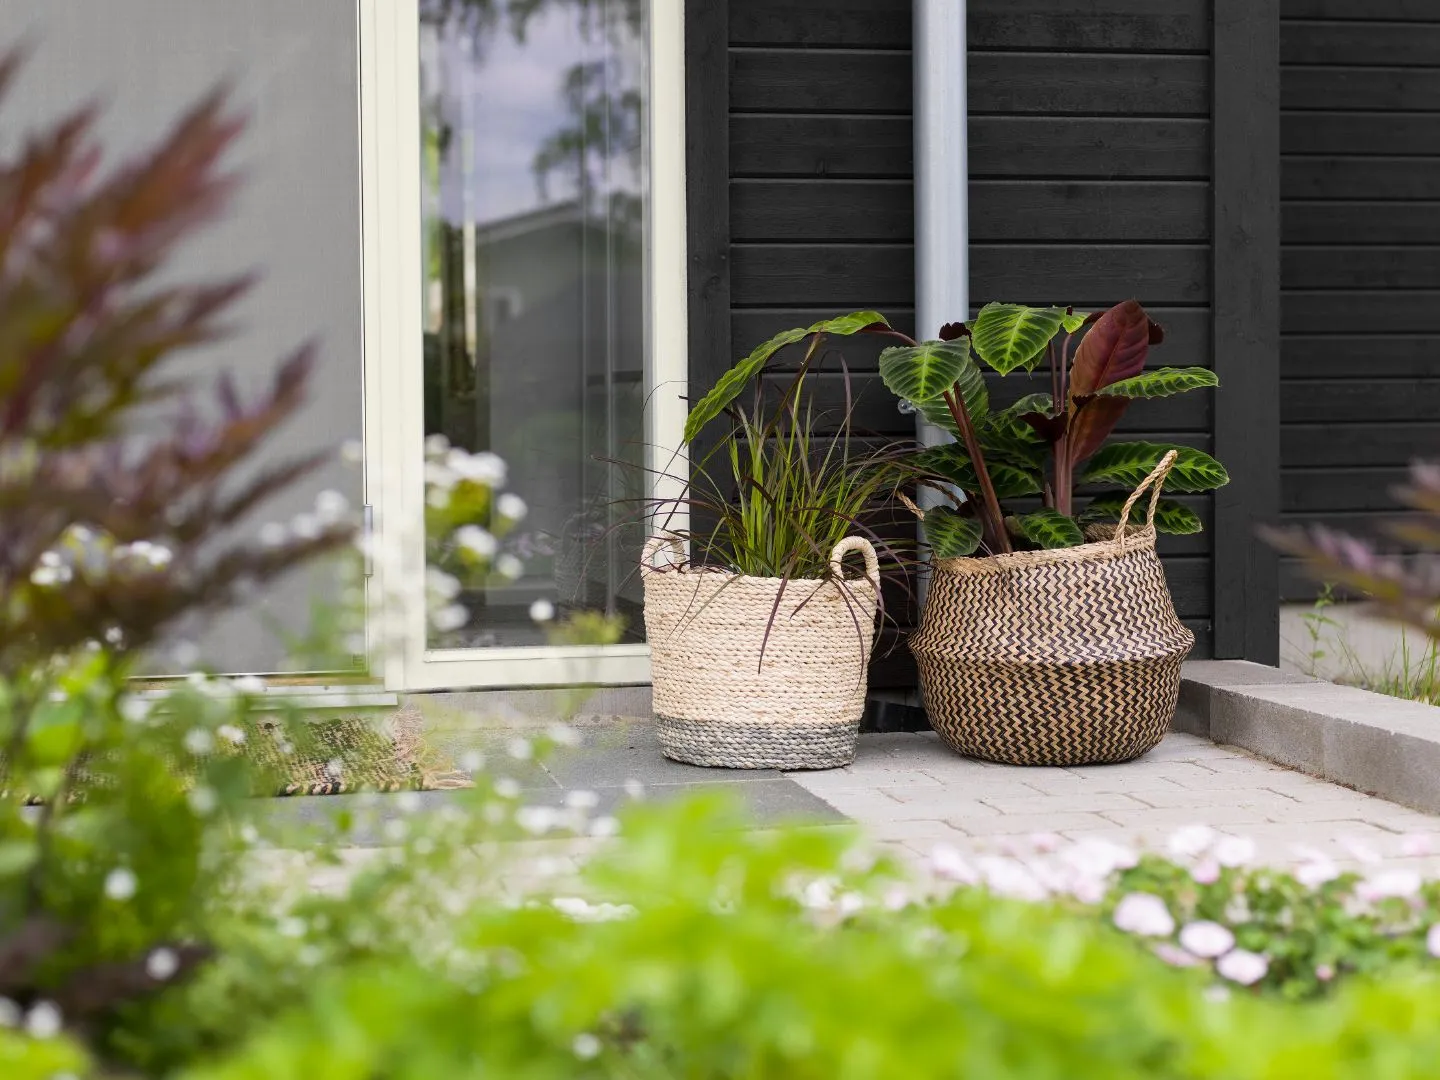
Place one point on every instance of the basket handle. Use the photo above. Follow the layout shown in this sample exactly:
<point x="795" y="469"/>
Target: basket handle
<point x="1155" y="482"/>
<point x="860" y="544"/>
<point x="658" y="543"/>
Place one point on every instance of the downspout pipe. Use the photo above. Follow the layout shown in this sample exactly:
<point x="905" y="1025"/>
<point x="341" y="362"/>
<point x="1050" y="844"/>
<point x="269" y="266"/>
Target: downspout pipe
<point x="942" y="195"/>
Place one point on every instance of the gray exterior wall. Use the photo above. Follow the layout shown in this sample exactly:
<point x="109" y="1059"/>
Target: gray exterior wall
<point x="293" y="67"/>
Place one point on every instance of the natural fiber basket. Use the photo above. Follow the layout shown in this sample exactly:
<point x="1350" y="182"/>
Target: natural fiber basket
<point x="1060" y="657"/>
<point x="730" y="692"/>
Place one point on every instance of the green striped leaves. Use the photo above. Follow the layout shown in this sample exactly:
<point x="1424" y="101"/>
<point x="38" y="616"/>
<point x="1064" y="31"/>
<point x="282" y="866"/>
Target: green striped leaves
<point x="729" y="385"/>
<point x="921" y="374"/>
<point x="951" y="462"/>
<point x="1171" y="517"/>
<point x="1162" y="382"/>
<point x="1126" y="464"/>
<point x="1049" y="528"/>
<point x="950" y="534"/>
<point x="1010" y="336"/>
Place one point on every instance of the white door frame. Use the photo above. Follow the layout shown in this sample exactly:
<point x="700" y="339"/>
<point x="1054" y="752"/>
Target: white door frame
<point x="394" y="354"/>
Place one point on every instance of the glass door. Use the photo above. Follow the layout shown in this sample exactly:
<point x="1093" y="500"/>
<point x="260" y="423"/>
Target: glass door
<point x="524" y="352"/>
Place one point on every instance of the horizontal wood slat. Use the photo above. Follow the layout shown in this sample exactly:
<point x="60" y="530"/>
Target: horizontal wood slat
<point x="1052" y="211"/>
<point x="1361" y="267"/>
<point x="1105" y="25"/>
<point x="1319" y="490"/>
<point x="1359" y="133"/>
<point x="1360" y="10"/>
<point x="1319" y="356"/>
<point x="1328" y="400"/>
<point x="1386" y="44"/>
<point x="1360" y="222"/>
<point x="1360" y="177"/>
<point x="1360" y="312"/>
<point x="1391" y="89"/>
<point x="1341" y="444"/>
<point x="882" y="275"/>
<point x="1000" y="146"/>
<point x="838" y="80"/>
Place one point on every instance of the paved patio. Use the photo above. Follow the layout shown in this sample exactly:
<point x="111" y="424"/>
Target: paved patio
<point x="912" y="792"/>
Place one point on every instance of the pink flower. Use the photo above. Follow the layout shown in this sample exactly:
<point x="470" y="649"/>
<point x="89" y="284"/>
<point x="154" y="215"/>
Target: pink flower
<point x="1206" y="872"/>
<point x="1401" y="883"/>
<point x="1416" y="844"/>
<point x="1242" y="966"/>
<point x="1324" y="972"/>
<point x="1432" y="941"/>
<point x="1144" y="914"/>
<point x="1234" y="850"/>
<point x="947" y="863"/>
<point x="1206" y="939"/>
<point x="1191" y="840"/>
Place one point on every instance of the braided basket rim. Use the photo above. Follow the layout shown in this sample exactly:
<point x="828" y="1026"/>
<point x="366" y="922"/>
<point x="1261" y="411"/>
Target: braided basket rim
<point x="1142" y="539"/>
<point x="693" y="571"/>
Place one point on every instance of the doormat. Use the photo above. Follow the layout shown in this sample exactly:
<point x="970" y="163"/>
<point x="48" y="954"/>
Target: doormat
<point x="357" y="753"/>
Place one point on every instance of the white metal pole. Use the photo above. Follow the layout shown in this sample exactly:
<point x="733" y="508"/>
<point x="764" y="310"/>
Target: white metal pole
<point x="942" y="205"/>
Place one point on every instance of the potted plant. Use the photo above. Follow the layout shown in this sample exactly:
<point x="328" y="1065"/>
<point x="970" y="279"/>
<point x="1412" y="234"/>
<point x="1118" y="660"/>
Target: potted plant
<point x="759" y="639"/>
<point x="1049" y="636"/>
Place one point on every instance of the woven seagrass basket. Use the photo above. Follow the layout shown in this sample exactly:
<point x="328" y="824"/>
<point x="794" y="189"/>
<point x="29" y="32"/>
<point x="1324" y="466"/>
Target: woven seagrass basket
<point x="725" y="694"/>
<point x="1062" y="657"/>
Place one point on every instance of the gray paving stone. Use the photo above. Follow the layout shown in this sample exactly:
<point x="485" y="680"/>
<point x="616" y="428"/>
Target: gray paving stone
<point x="1059" y="804"/>
<point x="602" y="766"/>
<point x="1016" y="824"/>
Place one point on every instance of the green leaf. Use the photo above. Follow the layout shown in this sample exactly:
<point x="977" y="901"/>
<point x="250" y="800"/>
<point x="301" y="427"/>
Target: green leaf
<point x="729" y="385"/>
<point x="1161" y="382"/>
<point x="951" y="462"/>
<point x="1048" y="528"/>
<point x="1171" y="517"/>
<point x="1008" y="336"/>
<point x="950" y="534"/>
<point x="1126" y="464"/>
<point x="1073" y="321"/>
<point x="921" y="373"/>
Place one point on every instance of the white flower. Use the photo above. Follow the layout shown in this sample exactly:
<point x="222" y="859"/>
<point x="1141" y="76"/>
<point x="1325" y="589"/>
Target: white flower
<point x="476" y="540"/>
<point x="1234" y="850"/>
<point x="251" y="685"/>
<point x="511" y="506"/>
<point x="230" y="733"/>
<point x="436" y="446"/>
<point x="1358" y="849"/>
<point x="45" y="576"/>
<point x="439" y="583"/>
<point x="634" y="788"/>
<point x="582" y="800"/>
<point x="1191" y="840"/>
<point x="396" y="830"/>
<point x="199" y="741"/>
<point x="43" y="1021"/>
<point x="409" y="801"/>
<point x="202" y="800"/>
<point x="1206" y="939"/>
<point x="1010" y="877"/>
<point x="948" y="864"/>
<point x="450" y="617"/>
<point x="1046" y="841"/>
<point x="1175" y="957"/>
<point x="1315" y="872"/>
<point x="542" y="611"/>
<point x="1391" y="883"/>
<point x="472" y="761"/>
<point x="306" y="526"/>
<point x="1144" y="914"/>
<point x="290" y="926"/>
<point x="507" y="788"/>
<point x="331" y="506"/>
<point x="509" y="566"/>
<point x="562" y="735"/>
<point x="536" y="820"/>
<point x="1099" y="858"/>
<point x="272" y="534"/>
<point x="603" y="827"/>
<point x="520" y="749"/>
<point x="483" y="468"/>
<point x="1242" y="966"/>
<point x="1206" y="871"/>
<point x="585" y="1046"/>
<point x="120" y="883"/>
<point x="1432" y="941"/>
<point x="1415" y="845"/>
<point x="162" y="964"/>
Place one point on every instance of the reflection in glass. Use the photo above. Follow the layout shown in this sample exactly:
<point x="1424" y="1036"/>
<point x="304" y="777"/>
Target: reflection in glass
<point x="534" y="186"/>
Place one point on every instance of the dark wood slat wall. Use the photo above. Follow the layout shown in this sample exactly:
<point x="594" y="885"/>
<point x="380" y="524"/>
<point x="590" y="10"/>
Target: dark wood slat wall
<point x="1360" y="353"/>
<point x="1090" y="167"/>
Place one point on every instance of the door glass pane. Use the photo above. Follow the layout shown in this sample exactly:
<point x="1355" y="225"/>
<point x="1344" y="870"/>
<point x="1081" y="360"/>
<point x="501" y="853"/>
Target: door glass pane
<point x="534" y="182"/>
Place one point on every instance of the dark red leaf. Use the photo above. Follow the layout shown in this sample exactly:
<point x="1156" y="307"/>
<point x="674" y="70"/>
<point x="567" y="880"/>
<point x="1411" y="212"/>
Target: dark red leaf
<point x="1093" y="423"/>
<point x="952" y="330"/>
<point x="1113" y="349"/>
<point x="1050" y="428"/>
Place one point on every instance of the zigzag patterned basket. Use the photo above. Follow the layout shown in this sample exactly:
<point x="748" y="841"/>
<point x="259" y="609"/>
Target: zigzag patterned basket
<point x="726" y="694"/>
<point x="1069" y="656"/>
